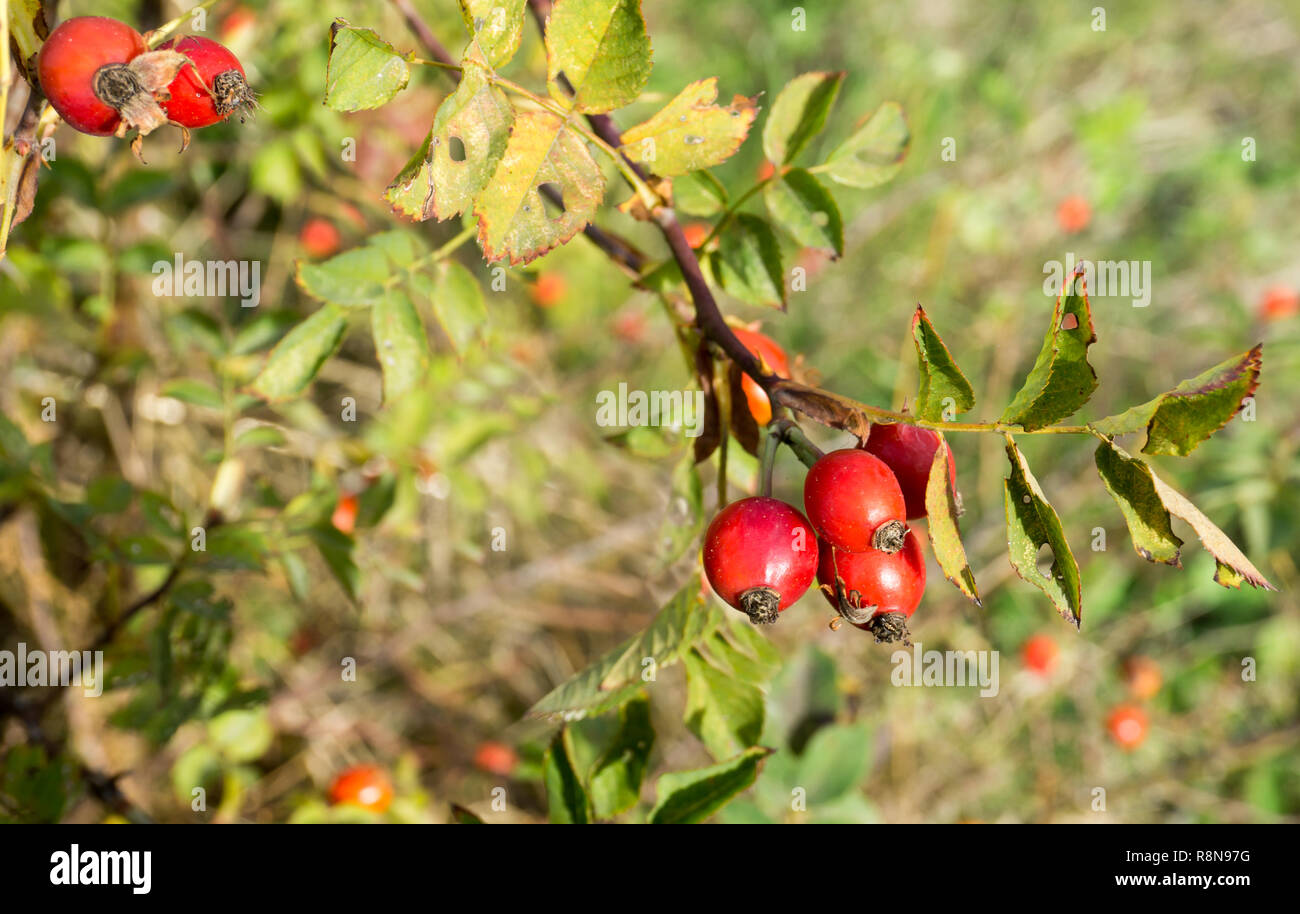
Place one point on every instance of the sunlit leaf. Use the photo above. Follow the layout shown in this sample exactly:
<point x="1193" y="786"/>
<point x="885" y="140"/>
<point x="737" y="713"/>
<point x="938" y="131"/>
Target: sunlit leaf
<point x="1061" y="380"/>
<point x="692" y="796"/>
<point x="602" y="47"/>
<point x="400" y="343"/>
<point x="945" y="537"/>
<point x="469" y="135"/>
<point x="1031" y="524"/>
<point x="353" y="278"/>
<point x="799" y="204"/>
<point x="364" y="71"/>
<point x="294" y="361"/>
<point x="748" y="262"/>
<point x="942" y="385"/>
<point x="513" y="219"/>
<point x="456" y="299"/>
<point x="724" y="712"/>
<point x="565" y="797"/>
<point x="799" y="114"/>
<point x="874" y="152"/>
<point x="690" y="133"/>
<point x="495" y="26"/>
<point x="1180" y="419"/>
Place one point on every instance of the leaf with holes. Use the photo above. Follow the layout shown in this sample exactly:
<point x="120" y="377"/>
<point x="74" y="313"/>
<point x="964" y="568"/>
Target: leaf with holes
<point x="400" y="343"/>
<point x="296" y="359"/>
<point x="1061" y="380"/>
<point x="874" y="152"/>
<point x="603" y="50"/>
<point x="799" y="114"/>
<point x="1132" y="485"/>
<point x="941" y="381"/>
<point x="363" y="71"/>
<point x="748" y="262"/>
<point x="1031" y="524"/>
<point x="469" y="136"/>
<point x="495" y="27"/>
<point x="686" y="797"/>
<point x="513" y="220"/>
<point x="691" y="132"/>
<point x="799" y="204"/>
<point x="1180" y="419"/>
<point x="945" y="537"/>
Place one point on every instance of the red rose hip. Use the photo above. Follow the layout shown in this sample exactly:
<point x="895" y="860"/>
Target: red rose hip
<point x="880" y="590"/>
<point x="854" y="502"/>
<point x="83" y="71"/>
<point x="909" y="452"/>
<point x="366" y="786"/>
<point x="760" y="556"/>
<point x="210" y="88"/>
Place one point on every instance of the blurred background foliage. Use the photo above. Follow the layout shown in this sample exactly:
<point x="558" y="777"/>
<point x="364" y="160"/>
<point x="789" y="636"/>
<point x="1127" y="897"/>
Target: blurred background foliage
<point x="232" y="679"/>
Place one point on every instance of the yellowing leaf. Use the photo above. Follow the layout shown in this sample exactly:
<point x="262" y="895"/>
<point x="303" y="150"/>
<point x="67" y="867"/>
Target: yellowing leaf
<point x="691" y="132"/>
<point x="945" y="538"/>
<point x="602" y="48"/>
<point x="468" y="138"/>
<point x="513" y="220"/>
<point x="495" y="26"/>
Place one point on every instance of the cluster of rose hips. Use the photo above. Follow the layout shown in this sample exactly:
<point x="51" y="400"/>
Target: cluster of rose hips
<point x="761" y="554"/>
<point x="102" y="79"/>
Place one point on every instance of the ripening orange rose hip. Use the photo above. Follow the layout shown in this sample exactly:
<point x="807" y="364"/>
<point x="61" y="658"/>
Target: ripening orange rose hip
<point x="1073" y="214"/>
<point x="1039" y="654"/>
<point x="1128" y="726"/>
<point x="366" y="786"/>
<point x="345" y="515"/>
<point x="548" y="290"/>
<point x="319" y="238"/>
<point x="696" y="233"/>
<point x="1142" y="675"/>
<point x="1279" y="302"/>
<point x="765" y="348"/>
<point x="495" y="758"/>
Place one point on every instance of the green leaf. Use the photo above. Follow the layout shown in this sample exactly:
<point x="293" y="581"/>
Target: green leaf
<point x="1131" y="484"/>
<point x="610" y="755"/>
<point x="469" y="136"/>
<point x="602" y="47"/>
<point x="617" y="675"/>
<point x="941" y="379"/>
<point x="686" y="797"/>
<point x="799" y="114"/>
<point x="724" y="712"/>
<point x="513" y="220"/>
<point x="1180" y="419"/>
<point x="804" y="694"/>
<point x="456" y="299"/>
<point x="109" y="495"/>
<point x="462" y="816"/>
<point x="874" y="152"/>
<point x="400" y="343"/>
<point x="495" y="26"/>
<point x="800" y="205"/>
<point x="567" y="801"/>
<point x="189" y="390"/>
<point x="699" y="194"/>
<point x="690" y="132"/>
<point x="1146" y="502"/>
<point x="336" y="550"/>
<point x="299" y="356"/>
<point x="364" y="71"/>
<point x="1061" y="380"/>
<point x="945" y="537"/>
<point x="836" y="760"/>
<point x="748" y="262"/>
<point x="260" y="436"/>
<point x="241" y="736"/>
<point x="1031" y="524"/>
<point x="396" y="245"/>
<point x="684" y="519"/>
<point x="353" y="278"/>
